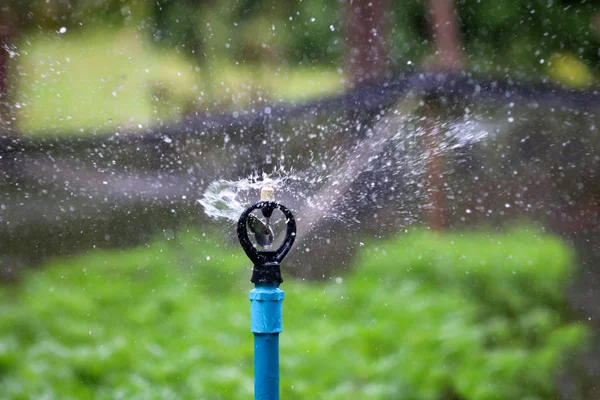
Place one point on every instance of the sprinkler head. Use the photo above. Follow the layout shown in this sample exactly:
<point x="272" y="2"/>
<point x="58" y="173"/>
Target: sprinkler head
<point x="266" y="270"/>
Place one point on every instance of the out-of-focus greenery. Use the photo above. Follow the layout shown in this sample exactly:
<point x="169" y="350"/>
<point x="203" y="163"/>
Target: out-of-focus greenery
<point x="530" y="40"/>
<point x="99" y="80"/>
<point x="523" y="36"/>
<point x="496" y="33"/>
<point x="427" y="316"/>
<point x="203" y="55"/>
<point x="96" y="66"/>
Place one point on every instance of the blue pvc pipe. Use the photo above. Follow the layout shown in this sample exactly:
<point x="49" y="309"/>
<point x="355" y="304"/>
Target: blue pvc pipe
<point x="265" y="323"/>
<point x="266" y="366"/>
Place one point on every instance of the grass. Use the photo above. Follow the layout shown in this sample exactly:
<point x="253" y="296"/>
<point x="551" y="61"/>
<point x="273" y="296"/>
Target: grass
<point x="86" y="81"/>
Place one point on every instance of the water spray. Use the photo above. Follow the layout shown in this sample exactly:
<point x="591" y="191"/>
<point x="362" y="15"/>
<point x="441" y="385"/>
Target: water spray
<point x="266" y="298"/>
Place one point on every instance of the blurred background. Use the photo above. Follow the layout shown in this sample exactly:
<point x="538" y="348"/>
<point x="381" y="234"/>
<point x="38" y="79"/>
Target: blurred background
<point x="441" y="157"/>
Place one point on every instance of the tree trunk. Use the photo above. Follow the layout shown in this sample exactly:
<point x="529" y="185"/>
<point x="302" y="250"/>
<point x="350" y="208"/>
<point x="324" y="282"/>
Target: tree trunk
<point x="435" y="210"/>
<point x="444" y="30"/>
<point x="366" y="55"/>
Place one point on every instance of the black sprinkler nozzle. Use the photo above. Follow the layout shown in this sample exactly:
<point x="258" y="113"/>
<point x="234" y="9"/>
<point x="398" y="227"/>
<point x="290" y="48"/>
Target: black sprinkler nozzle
<point x="266" y="270"/>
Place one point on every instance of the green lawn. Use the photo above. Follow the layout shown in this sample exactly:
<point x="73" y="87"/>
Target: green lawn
<point x="85" y="81"/>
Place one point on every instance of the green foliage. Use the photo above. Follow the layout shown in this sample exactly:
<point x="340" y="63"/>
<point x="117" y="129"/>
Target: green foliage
<point x="499" y="36"/>
<point x="101" y="80"/>
<point x="424" y="316"/>
<point x="496" y="312"/>
<point x="126" y="63"/>
<point x="522" y="36"/>
<point x="506" y="36"/>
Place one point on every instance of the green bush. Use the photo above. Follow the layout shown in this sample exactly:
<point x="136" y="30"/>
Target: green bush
<point x="423" y="316"/>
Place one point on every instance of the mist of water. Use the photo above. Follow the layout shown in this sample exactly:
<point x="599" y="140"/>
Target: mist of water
<point x="391" y="155"/>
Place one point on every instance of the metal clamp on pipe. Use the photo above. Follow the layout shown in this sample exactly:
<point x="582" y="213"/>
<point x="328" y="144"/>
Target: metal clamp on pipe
<point x="266" y="298"/>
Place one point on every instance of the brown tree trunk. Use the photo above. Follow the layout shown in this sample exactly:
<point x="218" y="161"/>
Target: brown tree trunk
<point x="435" y="209"/>
<point x="444" y="27"/>
<point x="445" y="31"/>
<point x="366" y="55"/>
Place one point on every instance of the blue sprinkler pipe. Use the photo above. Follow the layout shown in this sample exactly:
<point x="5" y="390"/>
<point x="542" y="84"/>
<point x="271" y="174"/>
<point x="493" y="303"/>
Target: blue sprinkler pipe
<point x="266" y="298"/>
<point x="265" y="322"/>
